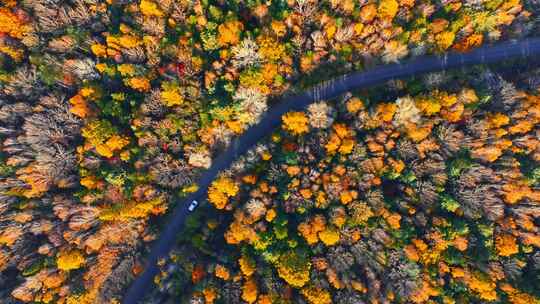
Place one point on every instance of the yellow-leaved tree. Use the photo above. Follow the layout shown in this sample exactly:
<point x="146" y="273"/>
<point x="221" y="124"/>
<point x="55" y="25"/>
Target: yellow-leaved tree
<point x="221" y="190"/>
<point x="69" y="260"/>
<point x="295" y="123"/>
<point x="388" y="9"/>
<point x="294" y="269"/>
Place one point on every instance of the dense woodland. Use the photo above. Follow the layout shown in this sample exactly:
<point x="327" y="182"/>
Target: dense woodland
<point x="429" y="196"/>
<point x="418" y="191"/>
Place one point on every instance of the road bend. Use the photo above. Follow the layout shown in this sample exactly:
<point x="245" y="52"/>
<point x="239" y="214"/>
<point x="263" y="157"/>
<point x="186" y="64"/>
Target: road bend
<point x="527" y="49"/>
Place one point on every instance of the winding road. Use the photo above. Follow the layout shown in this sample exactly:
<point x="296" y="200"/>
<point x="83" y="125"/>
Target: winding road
<point x="528" y="48"/>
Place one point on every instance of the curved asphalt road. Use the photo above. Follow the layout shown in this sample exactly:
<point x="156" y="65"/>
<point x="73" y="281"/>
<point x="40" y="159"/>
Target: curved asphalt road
<point x="528" y="48"/>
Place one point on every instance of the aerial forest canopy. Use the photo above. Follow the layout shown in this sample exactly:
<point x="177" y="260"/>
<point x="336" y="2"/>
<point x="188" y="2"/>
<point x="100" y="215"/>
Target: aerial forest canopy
<point x="419" y="190"/>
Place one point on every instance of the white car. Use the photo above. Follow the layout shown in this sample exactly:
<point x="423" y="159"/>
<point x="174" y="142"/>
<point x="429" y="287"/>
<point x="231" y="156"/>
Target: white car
<point x="193" y="205"/>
